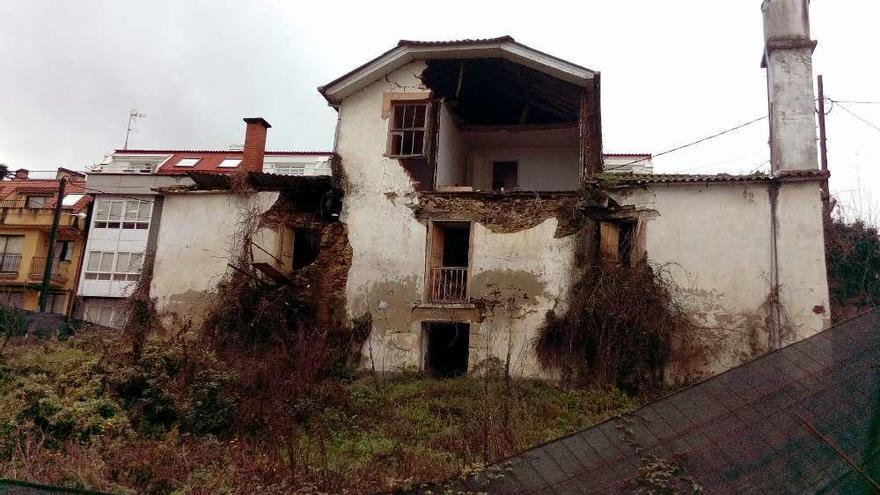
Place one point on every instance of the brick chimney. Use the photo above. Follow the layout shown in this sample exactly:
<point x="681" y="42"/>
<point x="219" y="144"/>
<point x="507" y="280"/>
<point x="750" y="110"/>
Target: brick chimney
<point x="21" y="174"/>
<point x="788" y="54"/>
<point x="254" y="144"/>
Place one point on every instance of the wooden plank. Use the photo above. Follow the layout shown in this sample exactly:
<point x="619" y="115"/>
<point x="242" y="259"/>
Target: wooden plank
<point x="609" y="242"/>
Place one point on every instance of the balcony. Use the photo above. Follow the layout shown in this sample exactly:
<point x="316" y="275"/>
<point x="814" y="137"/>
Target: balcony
<point x="59" y="271"/>
<point x="12" y="203"/>
<point x="9" y="265"/>
<point x="448" y="284"/>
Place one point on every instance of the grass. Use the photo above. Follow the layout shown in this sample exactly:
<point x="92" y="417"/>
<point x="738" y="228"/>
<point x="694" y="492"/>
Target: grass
<point x="78" y="413"/>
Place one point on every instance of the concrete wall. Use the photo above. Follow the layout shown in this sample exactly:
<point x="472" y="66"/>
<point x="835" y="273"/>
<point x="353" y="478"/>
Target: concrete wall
<point x="200" y="233"/>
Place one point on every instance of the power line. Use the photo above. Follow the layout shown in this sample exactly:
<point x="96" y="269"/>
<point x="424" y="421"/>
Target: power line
<point x="864" y="120"/>
<point x="726" y="131"/>
<point x="851" y="102"/>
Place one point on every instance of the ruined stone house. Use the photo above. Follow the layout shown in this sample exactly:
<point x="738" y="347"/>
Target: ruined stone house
<point x="472" y="168"/>
<point x="469" y="189"/>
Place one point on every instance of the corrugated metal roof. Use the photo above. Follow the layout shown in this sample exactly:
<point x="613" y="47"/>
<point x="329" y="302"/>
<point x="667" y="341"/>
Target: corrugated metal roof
<point x="787" y="422"/>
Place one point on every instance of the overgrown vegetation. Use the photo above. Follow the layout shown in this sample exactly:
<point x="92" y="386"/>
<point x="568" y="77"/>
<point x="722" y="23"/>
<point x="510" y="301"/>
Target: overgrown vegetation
<point x="80" y="413"/>
<point x="621" y="329"/>
<point x="853" y="259"/>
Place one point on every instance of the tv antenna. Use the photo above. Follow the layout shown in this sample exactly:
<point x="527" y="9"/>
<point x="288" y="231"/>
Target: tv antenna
<point x="132" y="115"/>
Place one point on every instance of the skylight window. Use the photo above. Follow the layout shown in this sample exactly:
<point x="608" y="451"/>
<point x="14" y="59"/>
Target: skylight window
<point x="71" y="199"/>
<point x="188" y="162"/>
<point x="230" y="163"/>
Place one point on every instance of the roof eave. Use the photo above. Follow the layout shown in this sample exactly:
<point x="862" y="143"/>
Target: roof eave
<point x="352" y="82"/>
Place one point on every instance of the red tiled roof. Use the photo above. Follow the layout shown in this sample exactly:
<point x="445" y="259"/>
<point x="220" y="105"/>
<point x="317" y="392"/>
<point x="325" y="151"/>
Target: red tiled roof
<point x="47" y="187"/>
<point x="209" y="160"/>
<point x="640" y="179"/>
<point x="468" y="41"/>
<point x="269" y="153"/>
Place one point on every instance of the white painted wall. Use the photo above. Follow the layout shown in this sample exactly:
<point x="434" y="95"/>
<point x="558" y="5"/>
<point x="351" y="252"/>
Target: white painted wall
<point x="451" y="151"/>
<point x="715" y="242"/>
<point x="539" y="169"/>
<point x="198" y="235"/>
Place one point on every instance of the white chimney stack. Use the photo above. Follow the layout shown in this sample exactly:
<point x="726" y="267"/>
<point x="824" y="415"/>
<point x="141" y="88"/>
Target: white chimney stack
<point x="788" y="53"/>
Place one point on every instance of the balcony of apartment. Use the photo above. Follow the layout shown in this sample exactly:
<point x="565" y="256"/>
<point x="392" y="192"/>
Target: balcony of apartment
<point x="58" y="276"/>
<point x="448" y="274"/>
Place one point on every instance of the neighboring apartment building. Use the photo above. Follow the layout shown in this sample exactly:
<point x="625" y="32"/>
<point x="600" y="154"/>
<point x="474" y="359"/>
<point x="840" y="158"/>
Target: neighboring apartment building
<point x="128" y="212"/>
<point x="473" y="186"/>
<point x="27" y="205"/>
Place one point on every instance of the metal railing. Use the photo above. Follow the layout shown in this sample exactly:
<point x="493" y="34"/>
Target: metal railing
<point x="10" y="263"/>
<point x="448" y="284"/>
<point x="38" y="266"/>
<point x="12" y="203"/>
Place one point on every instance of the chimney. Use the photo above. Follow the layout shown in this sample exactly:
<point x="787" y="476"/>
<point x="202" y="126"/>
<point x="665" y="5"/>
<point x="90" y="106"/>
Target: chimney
<point x="788" y="54"/>
<point x="254" y="144"/>
<point x="21" y="174"/>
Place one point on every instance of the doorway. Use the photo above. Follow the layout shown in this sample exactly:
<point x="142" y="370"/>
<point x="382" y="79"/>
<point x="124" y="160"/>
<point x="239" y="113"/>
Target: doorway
<point x="446" y="352"/>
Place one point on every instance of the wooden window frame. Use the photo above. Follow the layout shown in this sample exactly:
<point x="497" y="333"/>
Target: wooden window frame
<point x="393" y="130"/>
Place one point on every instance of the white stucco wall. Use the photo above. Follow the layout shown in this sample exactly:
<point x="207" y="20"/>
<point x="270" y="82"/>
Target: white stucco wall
<point x="451" y="151"/>
<point x="539" y="168"/>
<point x="198" y="235"/>
<point x="714" y="240"/>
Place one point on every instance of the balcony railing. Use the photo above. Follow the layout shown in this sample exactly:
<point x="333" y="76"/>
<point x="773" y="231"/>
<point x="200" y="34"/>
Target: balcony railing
<point x="9" y="264"/>
<point x="38" y="267"/>
<point x="12" y="203"/>
<point x="448" y="284"/>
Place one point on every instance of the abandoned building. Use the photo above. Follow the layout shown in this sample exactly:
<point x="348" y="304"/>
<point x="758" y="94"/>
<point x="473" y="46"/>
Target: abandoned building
<point x="189" y="239"/>
<point x="473" y="173"/>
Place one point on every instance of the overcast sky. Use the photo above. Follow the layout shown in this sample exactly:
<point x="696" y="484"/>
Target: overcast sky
<point x="672" y="72"/>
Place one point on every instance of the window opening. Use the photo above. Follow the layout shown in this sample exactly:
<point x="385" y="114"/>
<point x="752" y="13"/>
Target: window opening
<point x="408" y="126"/>
<point x="305" y="247"/>
<point x="505" y="175"/>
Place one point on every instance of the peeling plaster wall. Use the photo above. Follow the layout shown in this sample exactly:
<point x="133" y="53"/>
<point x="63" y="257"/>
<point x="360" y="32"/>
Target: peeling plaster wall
<point x="191" y="257"/>
<point x="715" y="241"/>
<point x="387" y="276"/>
<point x="519" y="276"/>
<point x="802" y="275"/>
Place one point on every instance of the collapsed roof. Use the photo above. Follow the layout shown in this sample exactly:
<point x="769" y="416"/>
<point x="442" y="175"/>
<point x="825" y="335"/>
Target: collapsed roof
<point x="504" y="48"/>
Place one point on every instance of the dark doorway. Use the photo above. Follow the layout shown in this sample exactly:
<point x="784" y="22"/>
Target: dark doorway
<point x="305" y="247"/>
<point x="456" y="244"/>
<point x="447" y="349"/>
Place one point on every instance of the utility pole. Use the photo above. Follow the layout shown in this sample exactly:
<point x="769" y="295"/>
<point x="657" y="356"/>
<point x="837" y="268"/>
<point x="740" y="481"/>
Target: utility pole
<point x="823" y="155"/>
<point x="50" y="254"/>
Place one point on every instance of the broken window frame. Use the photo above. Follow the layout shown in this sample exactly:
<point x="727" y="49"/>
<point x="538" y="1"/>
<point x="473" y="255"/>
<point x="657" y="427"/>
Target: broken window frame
<point x="619" y="242"/>
<point x="402" y="130"/>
